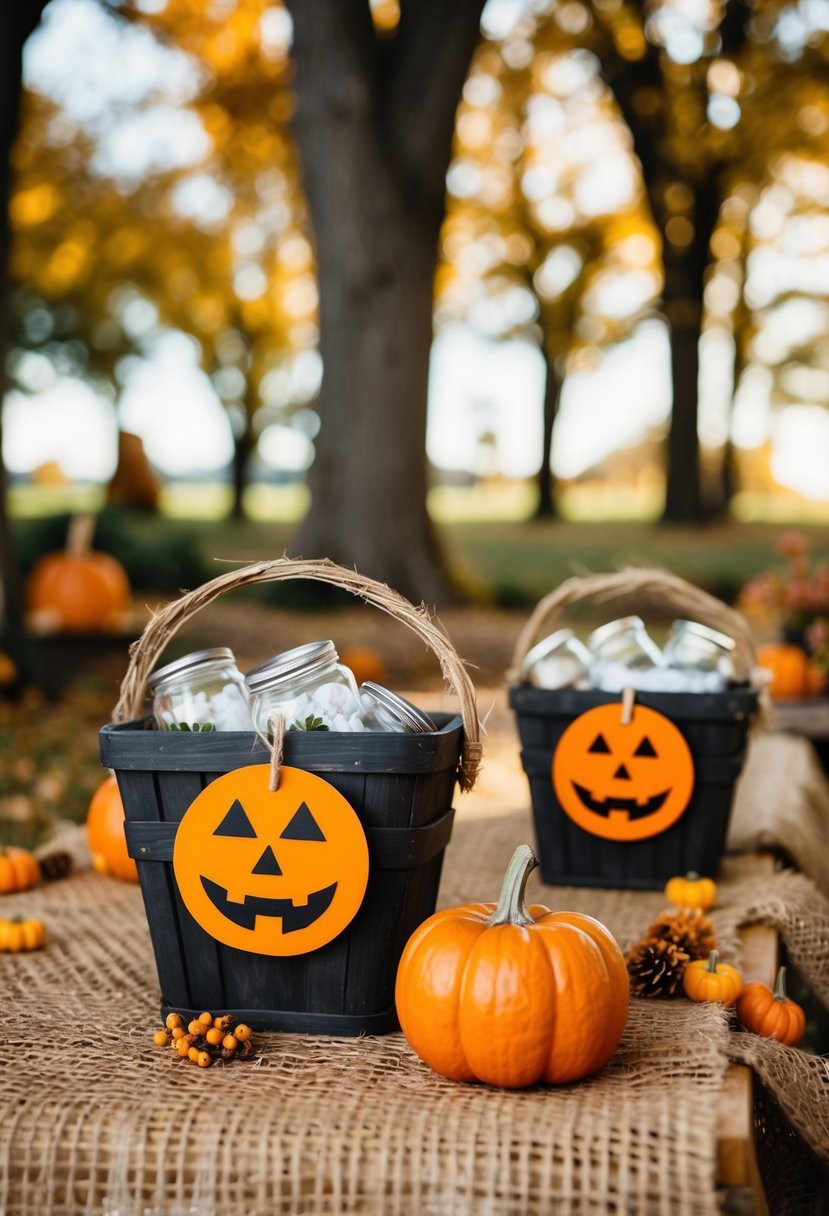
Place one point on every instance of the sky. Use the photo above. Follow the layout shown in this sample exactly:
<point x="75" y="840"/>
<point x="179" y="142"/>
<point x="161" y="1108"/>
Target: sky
<point x="477" y="385"/>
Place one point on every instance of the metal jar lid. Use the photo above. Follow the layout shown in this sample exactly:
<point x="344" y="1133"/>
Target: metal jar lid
<point x="599" y="636"/>
<point x="413" y="719"/>
<point x="311" y="657"/>
<point x="190" y="661"/>
<point x="695" y="629"/>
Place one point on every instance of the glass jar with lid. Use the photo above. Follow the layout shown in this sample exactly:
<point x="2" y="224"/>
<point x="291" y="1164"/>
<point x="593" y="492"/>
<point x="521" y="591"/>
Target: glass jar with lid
<point x="557" y="661"/>
<point x="201" y="691"/>
<point x="697" y="648"/>
<point x="309" y="687"/>
<point x="386" y="710"/>
<point x="624" y="654"/>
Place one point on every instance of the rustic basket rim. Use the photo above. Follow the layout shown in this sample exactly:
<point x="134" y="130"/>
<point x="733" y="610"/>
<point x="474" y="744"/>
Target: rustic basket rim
<point x="165" y="623"/>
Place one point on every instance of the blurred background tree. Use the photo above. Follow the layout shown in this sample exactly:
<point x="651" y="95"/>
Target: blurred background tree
<point x="338" y="179"/>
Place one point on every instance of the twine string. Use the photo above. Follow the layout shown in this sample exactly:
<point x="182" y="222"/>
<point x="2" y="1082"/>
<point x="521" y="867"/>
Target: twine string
<point x="276" y="722"/>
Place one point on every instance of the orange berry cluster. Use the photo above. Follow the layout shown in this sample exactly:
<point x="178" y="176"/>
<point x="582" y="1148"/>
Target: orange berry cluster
<point x="206" y="1038"/>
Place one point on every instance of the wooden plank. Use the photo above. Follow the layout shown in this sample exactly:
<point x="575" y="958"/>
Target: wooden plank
<point x="737" y="1163"/>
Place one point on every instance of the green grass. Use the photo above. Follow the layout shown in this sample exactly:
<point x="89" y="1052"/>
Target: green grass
<point x="497" y="553"/>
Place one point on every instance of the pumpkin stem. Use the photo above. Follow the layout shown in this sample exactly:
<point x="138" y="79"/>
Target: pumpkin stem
<point x="79" y="535"/>
<point x="692" y="876"/>
<point x="713" y="959"/>
<point x="780" y="986"/>
<point x="511" y="910"/>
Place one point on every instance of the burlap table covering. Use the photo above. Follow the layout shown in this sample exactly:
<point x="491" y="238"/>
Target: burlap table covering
<point x="98" y="1120"/>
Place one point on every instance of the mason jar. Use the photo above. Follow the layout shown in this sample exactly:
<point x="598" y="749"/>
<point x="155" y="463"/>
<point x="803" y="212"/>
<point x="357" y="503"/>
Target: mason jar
<point x="557" y="661"/>
<point x="201" y="691"/>
<point x="625" y="642"/>
<point x="309" y="687"/>
<point x="625" y="656"/>
<point x="385" y="710"/>
<point x="694" y="647"/>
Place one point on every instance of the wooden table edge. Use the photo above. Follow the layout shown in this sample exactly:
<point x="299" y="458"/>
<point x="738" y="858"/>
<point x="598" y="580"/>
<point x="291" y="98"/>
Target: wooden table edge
<point x="737" y="1161"/>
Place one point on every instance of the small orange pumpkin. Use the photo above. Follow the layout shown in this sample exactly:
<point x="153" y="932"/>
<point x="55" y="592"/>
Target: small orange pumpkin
<point x="773" y="1015"/>
<point x="365" y="662"/>
<point x="78" y="590"/>
<point x="512" y="995"/>
<point x="105" y="833"/>
<point x="691" y="891"/>
<point x="707" y="979"/>
<point x="21" y="934"/>
<point x="789" y="667"/>
<point x="19" y="870"/>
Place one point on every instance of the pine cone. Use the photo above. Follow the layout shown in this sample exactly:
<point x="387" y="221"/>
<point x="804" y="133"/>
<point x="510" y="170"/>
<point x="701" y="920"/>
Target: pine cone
<point x="55" y="865"/>
<point x="687" y="928"/>
<point x="655" y="967"/>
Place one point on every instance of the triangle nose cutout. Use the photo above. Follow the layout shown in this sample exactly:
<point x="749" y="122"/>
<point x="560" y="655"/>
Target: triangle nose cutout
<point x="267" y="863"/>
<point x="622" y="773"/>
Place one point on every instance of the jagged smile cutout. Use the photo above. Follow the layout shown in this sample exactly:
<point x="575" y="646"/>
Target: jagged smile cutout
<point x="293" y="916"/>
<point x="630" y="806"/>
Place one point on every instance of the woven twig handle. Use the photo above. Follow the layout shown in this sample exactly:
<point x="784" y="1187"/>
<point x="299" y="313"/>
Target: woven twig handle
<point x="667" y="591"/>
<point x="145" y="652"/>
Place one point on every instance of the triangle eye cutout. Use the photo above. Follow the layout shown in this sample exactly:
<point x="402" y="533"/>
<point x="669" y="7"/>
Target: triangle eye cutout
<point x="303" y="826"/>
<point x="236" y="823"/>
<point x="645" y="748"/>
<point x="599" y="744"/>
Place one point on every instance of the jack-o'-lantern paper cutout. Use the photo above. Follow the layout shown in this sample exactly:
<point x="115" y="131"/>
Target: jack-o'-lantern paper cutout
<point x="271" y="872"/>
<point x="623" y="781"/>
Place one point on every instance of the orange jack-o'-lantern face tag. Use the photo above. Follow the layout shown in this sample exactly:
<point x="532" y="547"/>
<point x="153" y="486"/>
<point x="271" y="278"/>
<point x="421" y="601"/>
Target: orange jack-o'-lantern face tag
<point x="623" y="781"/>
<point x="271" y="872"/>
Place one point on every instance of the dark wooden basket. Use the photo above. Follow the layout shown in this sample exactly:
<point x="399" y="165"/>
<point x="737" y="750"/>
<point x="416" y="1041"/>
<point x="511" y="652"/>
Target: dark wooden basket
<point x="400" y="786"/>
<point x="714" y="725"/>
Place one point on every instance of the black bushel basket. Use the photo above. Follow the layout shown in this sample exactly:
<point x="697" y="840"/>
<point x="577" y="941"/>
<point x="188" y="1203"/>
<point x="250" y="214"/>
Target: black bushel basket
<point x="399" y="785"/>
<point x="714" y="725"/>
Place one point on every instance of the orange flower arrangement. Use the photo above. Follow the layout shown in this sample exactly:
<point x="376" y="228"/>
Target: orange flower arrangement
<point x="794" y="599"/>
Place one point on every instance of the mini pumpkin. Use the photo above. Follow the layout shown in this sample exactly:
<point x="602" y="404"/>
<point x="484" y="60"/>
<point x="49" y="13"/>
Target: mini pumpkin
<point x="789" y="667"/>
<point x="691" y="891"/>
<point x="21" y="934"/>
<point x="365" y="662"/>
<point x="105" y="833"/>
<point x="512" y="994"/>
<point x="623" y="780"/>
<point x="707" y="979"/>
<point x="78" y="590"/>
<point x="19" y="870"/>
<point x="773" y="1015"/>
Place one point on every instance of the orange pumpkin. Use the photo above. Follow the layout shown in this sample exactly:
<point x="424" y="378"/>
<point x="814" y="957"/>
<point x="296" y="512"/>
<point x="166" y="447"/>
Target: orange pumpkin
<point x="88" y="593"/>
<point x="789" y="667"/>
<point x="21" y="934"/>
<point x="512" y="995"/>
<point x="623" y="780"/>
<point x="707" y="979"/>
<point x="691" y="891"/>
<point x="365" y="662"/>
<point x="105" y="833"/>
<point x="278" y="872"/>
<point x="19" y="870"/>
<point x="773" y="1015"/>
<point x="78" y="590"/>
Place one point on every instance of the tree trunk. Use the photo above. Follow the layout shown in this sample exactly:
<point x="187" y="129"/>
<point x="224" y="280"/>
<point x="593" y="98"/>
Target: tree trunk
<point x="685" y="271"/>
<point x="375" y="142"/>
<point x="16" y="23"/>
<point x="683" y="499"/>
<point x="553" y="383"/>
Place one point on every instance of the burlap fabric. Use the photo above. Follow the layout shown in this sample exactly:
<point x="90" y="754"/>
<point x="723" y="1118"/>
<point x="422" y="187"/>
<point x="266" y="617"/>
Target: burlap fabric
<point x="98" y="1120"/>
